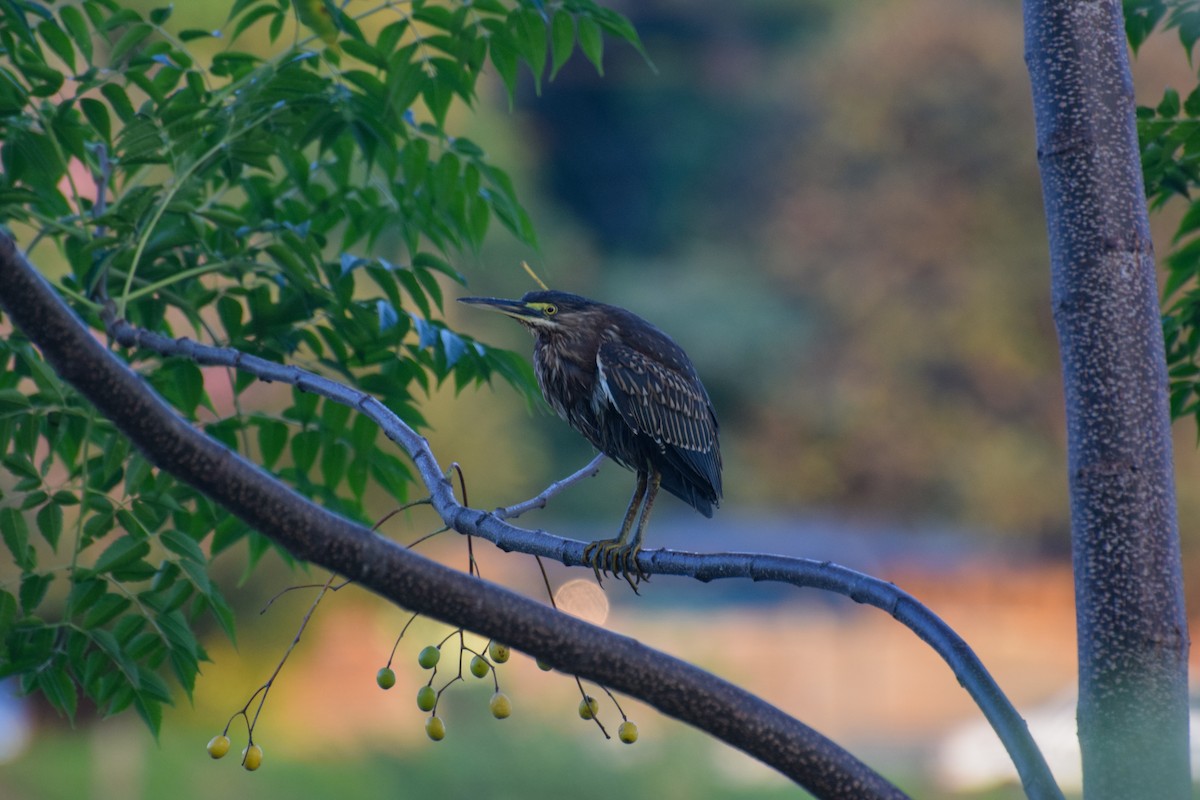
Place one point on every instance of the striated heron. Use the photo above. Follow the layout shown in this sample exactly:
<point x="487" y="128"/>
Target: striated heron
<point x="634" y="394"/>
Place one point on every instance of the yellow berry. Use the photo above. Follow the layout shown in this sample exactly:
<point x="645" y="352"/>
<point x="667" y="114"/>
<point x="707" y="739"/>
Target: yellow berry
<point x="627" y="733"/>
<point x="498" y="652"/>
<point x="500" y="705"/>
<point x="429" y="657"/>
<point x="252" y="757"/>
<point x="479" y="667"/>
<point x="426" y="698"/>
<point x="435" y="729"/>
<point x="218" y="746"/>
<point x="543" y="666"/>
<point x="588" y="707"/>
<point x="386" y="678"/>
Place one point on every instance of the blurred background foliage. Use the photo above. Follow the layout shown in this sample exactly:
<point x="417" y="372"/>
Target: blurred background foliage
<point x="835" y="208"/>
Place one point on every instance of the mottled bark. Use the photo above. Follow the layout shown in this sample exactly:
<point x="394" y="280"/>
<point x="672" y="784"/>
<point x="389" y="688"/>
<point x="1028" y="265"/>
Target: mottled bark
<point x="1133" y="705"/>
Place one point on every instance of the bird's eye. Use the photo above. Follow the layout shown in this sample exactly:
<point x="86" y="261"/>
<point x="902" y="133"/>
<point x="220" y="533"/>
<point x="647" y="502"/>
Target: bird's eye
<point x="550" y="310"/>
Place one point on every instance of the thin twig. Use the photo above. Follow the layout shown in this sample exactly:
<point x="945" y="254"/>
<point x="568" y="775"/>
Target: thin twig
<point x="262" y="691"/>
<point x="589" y="470"/>
<point x="403" y="631"/>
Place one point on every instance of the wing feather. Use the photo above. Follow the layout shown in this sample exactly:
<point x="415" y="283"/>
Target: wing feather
<point x="670" y="407"/>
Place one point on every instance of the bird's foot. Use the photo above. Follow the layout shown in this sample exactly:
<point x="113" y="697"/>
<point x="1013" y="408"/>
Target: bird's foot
<point x="616" y="557"/>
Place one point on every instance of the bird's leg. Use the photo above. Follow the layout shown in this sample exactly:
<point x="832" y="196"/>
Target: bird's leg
<point x="599" y="554"/>
<point x="619" y="556"/>
<point x="629" y="553"/>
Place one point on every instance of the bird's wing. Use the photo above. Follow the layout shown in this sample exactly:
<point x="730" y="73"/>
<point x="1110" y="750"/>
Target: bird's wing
<point x="668" y="406"/>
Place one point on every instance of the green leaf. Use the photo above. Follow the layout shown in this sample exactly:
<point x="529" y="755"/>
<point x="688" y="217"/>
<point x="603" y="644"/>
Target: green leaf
<point x="50" y="523"/>
<point x="562" y="40"/>
<point x="8" y="613"/>
<point x="129" y="40"/>
<point x="58" y="41"/>
<point x="172" y="598"/>
<point x="119" y="100"/>
<point x="365" y="52"/>
<point x="591" y="42"/>
<point x="198" y="575"/>
<point x="97" y="115"/>
<point x="84" y="594"/>
<point x="56" y="685"/>
<point x="357" y="475"/>
<point x="531" y="33"/>
<point x="223" y="613"/>
<point x="119" y="18"/>
<point x="182" y="545"/>
<point x="252" y="17"/>
<point x="109" y="645"/>
<point x="13" y="400"/>
<point x="504" y="59"/>
<point x="182" y="384"/>
<point x="178" y="634"/>
<point x="77" y="26"/>
<point x="15" y="532"/>
<point x="121" y="553"/>
<point x="44" y="80"/>
<point x="191" y="34"/>
<point x="150" y="710"/>
<point x="127" y="627"/>
<point x="333" y="463"/>
<point x="144" y="645"/>
<point x="363" y="434"/>
<point x="334" y="416"/>
<point x="33" y="590"/>
<point x="1169" y="106"/>
<point x="230" y="312"/>
<point x="35" y="498"/>
<point x="153" y="687"/>
<point x="304" y="449"/>
<point x="105" y="609"/>
<point x="19" y="464"/>
<point x="1190" y="222"/>
<point x="286" y="258"/>
<point x="272" y="438"/>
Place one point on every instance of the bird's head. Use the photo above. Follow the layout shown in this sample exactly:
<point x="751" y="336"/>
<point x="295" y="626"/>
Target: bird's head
<point x="545" y="311"/>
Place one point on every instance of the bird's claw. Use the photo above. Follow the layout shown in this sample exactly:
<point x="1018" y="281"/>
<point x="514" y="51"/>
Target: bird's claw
<point x="615" y="557"/>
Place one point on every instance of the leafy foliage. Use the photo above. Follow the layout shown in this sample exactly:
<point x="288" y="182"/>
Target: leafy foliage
<point x="1170" y="144"/>
<point x="305" y="204"/>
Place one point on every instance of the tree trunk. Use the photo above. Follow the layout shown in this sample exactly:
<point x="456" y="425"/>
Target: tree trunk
<point x="1133" y="702"/>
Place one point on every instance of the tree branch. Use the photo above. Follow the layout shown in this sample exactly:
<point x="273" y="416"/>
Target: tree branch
<point x="806" y="573"/>
<point x="407" y="579"/>
<point x="1131" y="618"/>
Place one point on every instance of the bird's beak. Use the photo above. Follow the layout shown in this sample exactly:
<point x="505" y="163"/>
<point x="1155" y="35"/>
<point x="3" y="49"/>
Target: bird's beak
<point x="513" y="308"/>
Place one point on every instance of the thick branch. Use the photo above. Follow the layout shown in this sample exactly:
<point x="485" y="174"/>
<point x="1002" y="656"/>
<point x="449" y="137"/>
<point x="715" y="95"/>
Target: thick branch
<point x="313" y="534"/>
<point x="1133" y="641"/>
<point x="971" y="674"/>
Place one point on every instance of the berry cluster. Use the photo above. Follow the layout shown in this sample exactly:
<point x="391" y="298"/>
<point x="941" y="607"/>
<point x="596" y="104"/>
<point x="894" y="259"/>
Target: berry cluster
<point x="252" y="754"/>
<point x="480" y="666"/>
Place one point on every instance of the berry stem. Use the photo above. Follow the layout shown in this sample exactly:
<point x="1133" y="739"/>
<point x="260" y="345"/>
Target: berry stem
<point x="262" y="691"/>
<point x="595" y="717"/>
<point x="403" y="631"/>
